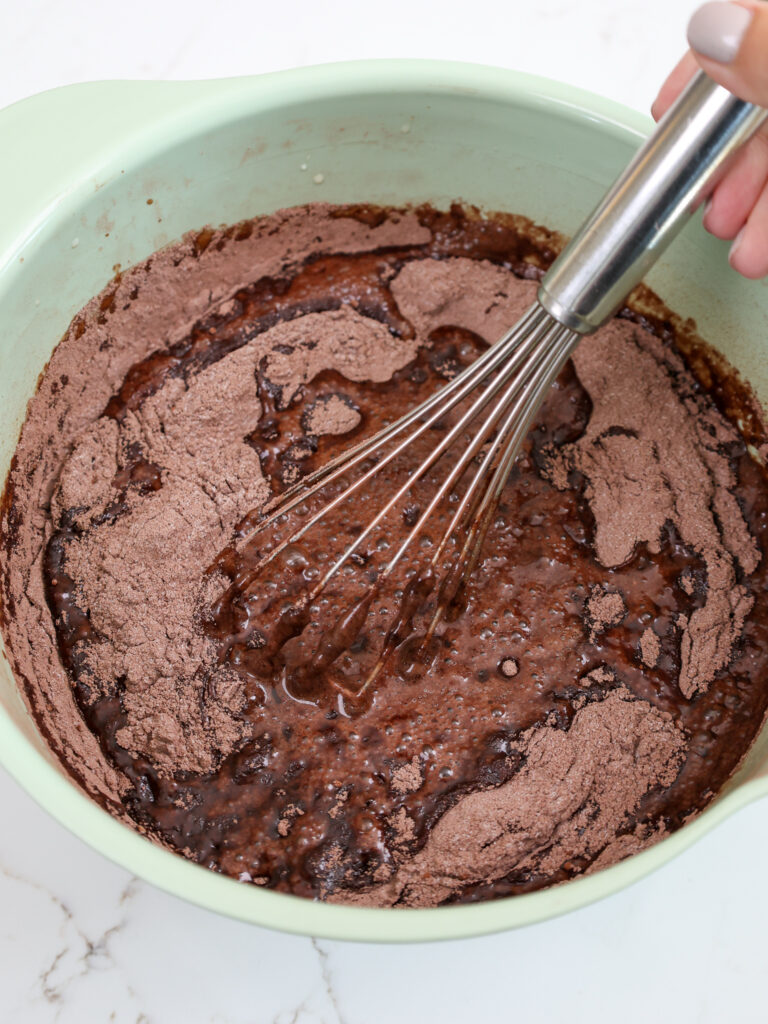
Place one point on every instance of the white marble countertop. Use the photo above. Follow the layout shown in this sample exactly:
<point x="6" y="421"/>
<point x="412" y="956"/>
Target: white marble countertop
<point x="80" y="940"/>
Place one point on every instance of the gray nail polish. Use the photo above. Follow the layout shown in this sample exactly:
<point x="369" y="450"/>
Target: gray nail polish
<point x="717" y="29"/>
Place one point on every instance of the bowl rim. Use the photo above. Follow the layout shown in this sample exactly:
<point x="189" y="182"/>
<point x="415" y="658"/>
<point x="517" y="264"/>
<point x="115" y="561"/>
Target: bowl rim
<point x="178" y="110"/>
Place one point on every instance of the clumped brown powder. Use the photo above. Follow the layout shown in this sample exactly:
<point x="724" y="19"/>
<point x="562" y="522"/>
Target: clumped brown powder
<point x="509" y="668"/>
<point x="575" y="790"/>
<point x="655" y="452"/>
<point x="599" y="676"/>
<point x="140" y="575"/>
<point x="604" y="608"/>
<point x="407" y="778"/>
<point x="650" y="648"/>
<point x="332" y="414"/>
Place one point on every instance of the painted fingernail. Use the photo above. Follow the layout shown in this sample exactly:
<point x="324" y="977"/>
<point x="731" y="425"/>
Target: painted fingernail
<point x="735" y="246"/>
<point x="717" y="29"/>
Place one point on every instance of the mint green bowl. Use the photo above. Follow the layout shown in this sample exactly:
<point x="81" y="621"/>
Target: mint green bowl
<point x="77" y="166"/>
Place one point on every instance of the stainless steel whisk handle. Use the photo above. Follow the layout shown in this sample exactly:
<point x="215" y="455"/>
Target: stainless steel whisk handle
<point x="673" y="172"/>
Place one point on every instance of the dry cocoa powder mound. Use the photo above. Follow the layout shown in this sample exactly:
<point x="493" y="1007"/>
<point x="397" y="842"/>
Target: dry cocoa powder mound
<point x="408" y="777"/>
<point x="331" y="414"/>
<point x="574" y="791"/>
<point x="604" y="608"/>
<point x="650" y="648"/>
<point x="141" y="575"/>
<point x="655" y="452"/>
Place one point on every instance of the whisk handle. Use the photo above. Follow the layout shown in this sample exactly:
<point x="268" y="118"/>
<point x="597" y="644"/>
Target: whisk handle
<point x="673" y="172"/>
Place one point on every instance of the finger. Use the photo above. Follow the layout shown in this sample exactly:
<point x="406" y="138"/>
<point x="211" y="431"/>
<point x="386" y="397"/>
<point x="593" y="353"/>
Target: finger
<point x="730" y="41"/>
<point x="728" y="209"/>
<point x="749" y="253"/>
<point x="674" y="85"/>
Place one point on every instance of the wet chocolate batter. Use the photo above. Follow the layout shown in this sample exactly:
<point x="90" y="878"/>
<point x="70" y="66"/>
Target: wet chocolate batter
<point x="601" y="680"/>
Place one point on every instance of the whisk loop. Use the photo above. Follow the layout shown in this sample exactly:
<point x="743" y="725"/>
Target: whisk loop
<point x="641" y="213"/>
<point x="504" y="387"/>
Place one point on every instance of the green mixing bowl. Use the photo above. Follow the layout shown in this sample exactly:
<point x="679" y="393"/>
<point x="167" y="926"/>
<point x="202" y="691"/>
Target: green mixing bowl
<point x="77" y="167"/>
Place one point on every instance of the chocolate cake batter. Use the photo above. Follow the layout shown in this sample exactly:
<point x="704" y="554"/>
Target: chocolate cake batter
<point x="603" y="676"/>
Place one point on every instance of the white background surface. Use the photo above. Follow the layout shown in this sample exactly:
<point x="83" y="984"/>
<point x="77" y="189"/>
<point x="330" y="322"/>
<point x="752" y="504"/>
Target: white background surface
<point x="80" y="940"/>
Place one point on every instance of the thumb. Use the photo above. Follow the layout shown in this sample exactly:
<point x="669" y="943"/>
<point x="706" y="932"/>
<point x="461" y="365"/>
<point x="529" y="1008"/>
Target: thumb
<point x="730" y="42"/>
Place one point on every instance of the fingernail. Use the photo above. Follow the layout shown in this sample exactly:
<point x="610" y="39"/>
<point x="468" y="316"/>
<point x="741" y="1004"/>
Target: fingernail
<point x="717" y="29"/>
<point x="735" y="246"/>
<point x="707" y="207"/>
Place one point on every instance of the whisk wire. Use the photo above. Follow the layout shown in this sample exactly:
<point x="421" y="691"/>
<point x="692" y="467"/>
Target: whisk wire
<point x="552" y="344"/>
<point x="527" y="349"/>
<point x="511" y="379"/>
<point x="535" y="348"/>
<point x="556" y="349"/>
<point x="455" y="391"/>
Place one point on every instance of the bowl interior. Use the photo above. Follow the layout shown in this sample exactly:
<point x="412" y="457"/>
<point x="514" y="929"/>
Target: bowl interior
<point x="213" y="153"/>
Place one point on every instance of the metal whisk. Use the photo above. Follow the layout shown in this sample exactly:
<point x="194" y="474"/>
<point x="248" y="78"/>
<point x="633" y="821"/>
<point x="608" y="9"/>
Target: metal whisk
<point x="503" y="389"/>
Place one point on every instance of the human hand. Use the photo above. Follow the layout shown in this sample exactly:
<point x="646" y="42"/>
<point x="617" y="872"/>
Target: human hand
<point x="730" y="42"/>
